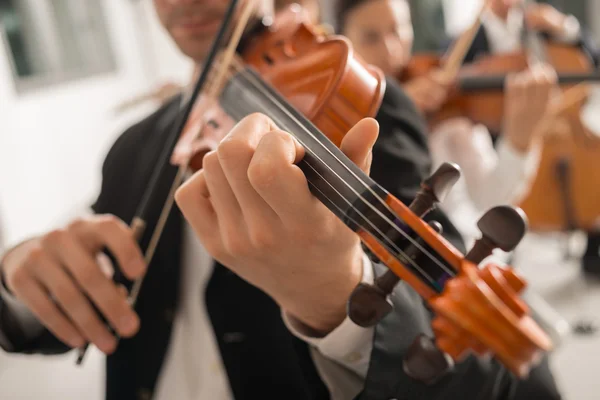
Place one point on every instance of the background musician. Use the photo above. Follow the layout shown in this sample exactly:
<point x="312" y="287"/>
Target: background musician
<point x="203" y="332"/>
<point x="502" y="32"/>
<point x="381" y="31"/>
<point x="504" y="22"/>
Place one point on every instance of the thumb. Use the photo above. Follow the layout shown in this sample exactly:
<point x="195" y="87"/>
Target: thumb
<point x="358" y="143"/>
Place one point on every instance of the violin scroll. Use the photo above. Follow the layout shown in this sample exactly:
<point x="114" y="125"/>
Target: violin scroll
<point x="476" y="309"/>
<point x="459" y="327"/>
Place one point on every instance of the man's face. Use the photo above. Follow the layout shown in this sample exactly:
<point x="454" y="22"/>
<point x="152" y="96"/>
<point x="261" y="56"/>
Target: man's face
<point x="192" y="24"/>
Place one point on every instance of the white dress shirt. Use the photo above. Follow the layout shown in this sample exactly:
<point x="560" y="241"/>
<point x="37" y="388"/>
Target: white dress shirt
<point x="490" y="177"/>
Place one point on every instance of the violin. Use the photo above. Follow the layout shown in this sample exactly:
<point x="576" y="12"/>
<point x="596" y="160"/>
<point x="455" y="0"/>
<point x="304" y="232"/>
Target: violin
<point x="478" y="90"/>
<point x="315" y="87"/>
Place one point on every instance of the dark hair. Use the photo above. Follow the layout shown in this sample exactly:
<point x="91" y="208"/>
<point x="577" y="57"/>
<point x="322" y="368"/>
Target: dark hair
<point x="342" y="9"/>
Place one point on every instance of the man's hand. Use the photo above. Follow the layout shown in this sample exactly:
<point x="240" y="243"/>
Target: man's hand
<point x="545" y="18"/>
<point x="53" y="274"/>
<point x="527" y="101"/>
<point x="252" y="209"/>
<point x="428" y="92"/>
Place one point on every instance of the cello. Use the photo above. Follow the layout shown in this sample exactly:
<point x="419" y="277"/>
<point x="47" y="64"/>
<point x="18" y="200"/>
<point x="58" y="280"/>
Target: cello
<point x="315" y="88"/>
<point x="565" y="194"/>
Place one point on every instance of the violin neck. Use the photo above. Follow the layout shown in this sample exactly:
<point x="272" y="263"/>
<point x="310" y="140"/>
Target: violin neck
<point x="497" y="82"/>
<point x="332" y="177"/>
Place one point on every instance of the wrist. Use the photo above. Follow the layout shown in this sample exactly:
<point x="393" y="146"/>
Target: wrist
<point x="322" y="308"/>
<point x="10" y="257"/>
<point x="518" y="146"/>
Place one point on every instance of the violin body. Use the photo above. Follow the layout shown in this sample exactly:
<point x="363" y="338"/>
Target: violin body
<point x="319" y="75"/>
<point x="480" y="106"/>
<point x="565" y="193"/>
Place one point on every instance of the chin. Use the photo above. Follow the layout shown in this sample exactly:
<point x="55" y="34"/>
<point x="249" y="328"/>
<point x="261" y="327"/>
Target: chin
<point x="195" y="48"/>
<point x="195" y="51"/>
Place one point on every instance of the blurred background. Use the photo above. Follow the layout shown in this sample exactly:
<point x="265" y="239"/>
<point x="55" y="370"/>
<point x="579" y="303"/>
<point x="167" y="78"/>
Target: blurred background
<point x="68" y="69"/>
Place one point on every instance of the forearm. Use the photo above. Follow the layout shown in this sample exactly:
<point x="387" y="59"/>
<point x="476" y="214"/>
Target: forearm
<point x="504" y="180"/>
<point x="349" y="345"/>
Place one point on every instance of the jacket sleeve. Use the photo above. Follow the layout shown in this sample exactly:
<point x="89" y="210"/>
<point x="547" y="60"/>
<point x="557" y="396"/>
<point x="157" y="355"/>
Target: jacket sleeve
<point x="20" y="332"/>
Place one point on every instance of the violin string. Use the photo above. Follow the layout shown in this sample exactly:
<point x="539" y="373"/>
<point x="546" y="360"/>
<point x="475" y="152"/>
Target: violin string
<point x="394" y="246"/>
<point x="391" y="246"/>
<point x="390" y="242"/>
<point x="366" y="186"/>
<point x="365" y="201"/>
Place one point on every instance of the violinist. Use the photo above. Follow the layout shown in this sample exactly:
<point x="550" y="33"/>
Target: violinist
<point x="265" y="321"/>
<point x="503" y="24"/>
<point x="501" y="32"/>
<point x="381" y="30"/>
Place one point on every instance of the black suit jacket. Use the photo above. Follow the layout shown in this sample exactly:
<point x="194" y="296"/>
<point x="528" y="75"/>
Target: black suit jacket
<point x="481" y="46"/>
<point x="263" y="360"/>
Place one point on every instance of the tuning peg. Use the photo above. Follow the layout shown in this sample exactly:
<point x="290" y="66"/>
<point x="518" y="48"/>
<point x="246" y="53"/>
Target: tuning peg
<point x="435" y="188"/>
<point x="368" y="304"/>
<point x="502" y="227"/>
<point x="425" y="362"/>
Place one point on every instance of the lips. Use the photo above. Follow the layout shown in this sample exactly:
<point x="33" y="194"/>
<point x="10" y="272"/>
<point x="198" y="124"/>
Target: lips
<point x="199" y="26"/>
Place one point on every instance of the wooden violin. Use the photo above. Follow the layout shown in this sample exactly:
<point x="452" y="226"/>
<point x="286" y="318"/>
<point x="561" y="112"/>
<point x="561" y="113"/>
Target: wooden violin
<point x="314" y="87"/>
<point x="477" y="92"/>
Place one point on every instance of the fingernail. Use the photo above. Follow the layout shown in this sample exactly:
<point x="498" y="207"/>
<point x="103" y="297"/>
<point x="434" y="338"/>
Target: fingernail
<point x="139" y="266"/>
<point x="129" y="324"/>
<point x="107" y="345"/>
<point x="77" y="341"/>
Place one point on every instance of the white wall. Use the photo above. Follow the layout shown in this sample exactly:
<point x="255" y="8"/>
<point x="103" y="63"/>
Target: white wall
<point x="52" y="143"/>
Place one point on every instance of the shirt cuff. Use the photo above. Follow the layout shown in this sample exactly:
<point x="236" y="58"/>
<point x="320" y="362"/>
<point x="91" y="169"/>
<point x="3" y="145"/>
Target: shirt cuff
<point x="571" y="30"/>
<point x="348" y="344"/>
<point x="517" y="160"/>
